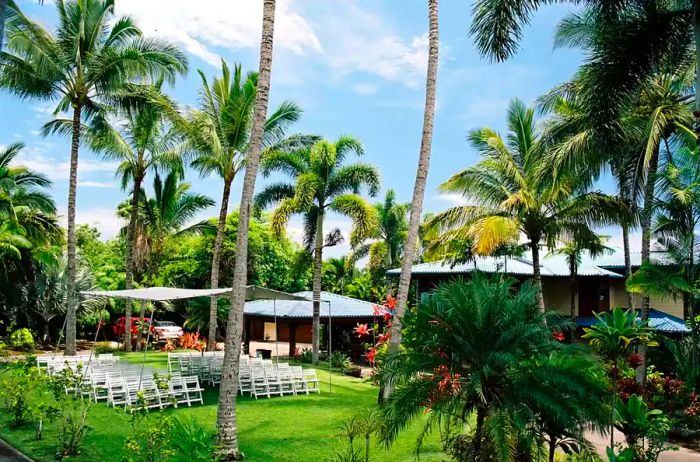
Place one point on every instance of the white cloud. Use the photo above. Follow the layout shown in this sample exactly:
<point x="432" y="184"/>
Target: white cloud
<point x="364" y="88"/>
<point x="362" y="41"/>
<point x="454" y="199"/>
<point x="34" y="158"/>
<point x="204" y="25"/>
<point x="104" y="219"/>
<point x="96" y="184"/>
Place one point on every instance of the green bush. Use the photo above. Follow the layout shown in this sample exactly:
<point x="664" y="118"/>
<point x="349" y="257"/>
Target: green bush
<point x="340" y="360"/>
<point x="306" y="355"/>
<point x="21" y="339"/>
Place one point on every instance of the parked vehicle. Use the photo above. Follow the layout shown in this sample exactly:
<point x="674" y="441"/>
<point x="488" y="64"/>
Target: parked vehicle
<point x="163" y="330"/>
<point x="118" y="327"/>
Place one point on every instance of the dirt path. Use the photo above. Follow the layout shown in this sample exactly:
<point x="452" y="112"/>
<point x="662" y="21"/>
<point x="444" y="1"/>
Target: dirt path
<point x="681" y="455"/>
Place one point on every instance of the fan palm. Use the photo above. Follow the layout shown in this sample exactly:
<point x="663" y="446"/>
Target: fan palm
<point x="481" y="346"/>
<point x="386" y="248"/>
<point x="219" y="134"/>
<point x="414" y="222"/>
<point x="226" y="424"/>
<point x="514" y="195"/>
<point x="141" y="141"/>
<point x="90" y="56"/>
<point x="323" y="183"/>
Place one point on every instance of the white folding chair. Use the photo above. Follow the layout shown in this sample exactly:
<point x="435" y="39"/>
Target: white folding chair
<point x="193" y="390"/>
<point x="311" y="381"/>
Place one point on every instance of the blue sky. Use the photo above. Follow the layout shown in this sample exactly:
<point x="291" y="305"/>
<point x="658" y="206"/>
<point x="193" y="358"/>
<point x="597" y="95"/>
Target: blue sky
<point x="355" y="67"/>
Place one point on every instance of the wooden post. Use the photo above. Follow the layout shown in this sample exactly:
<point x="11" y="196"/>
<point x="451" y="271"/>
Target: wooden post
<point x="292" y="337"/>
<point x="246" y="335"/>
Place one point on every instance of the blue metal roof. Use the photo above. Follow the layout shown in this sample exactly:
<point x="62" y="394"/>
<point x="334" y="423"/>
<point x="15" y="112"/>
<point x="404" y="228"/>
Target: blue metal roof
<point x="550" y="265"/>
<point x="340" y="307"/>
<point x="658" y="320"/>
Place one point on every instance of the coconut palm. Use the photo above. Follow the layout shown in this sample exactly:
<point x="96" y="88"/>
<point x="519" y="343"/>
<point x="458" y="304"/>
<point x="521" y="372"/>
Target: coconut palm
<point x="322" y="183"/>
<point x="169" y="212"/>
<point x="411" y="242"/>
<point x="678" y="215"/>
<point x="635" y="40"/>
<point x="581" y="241"/>
<point x="514" y="196"/>
<point x="481" y="346"/>
<point x="142" y="142"/>
<point x="90" y="56"/>
<point x="219" y="133"/>
<point x="226" y="424"/>
<point x="385" y="248"/>
<point x="28" y="213"/>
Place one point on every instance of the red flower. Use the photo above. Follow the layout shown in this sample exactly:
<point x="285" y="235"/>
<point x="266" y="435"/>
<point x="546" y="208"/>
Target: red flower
<point x="390" y="302"/>
<point x="377" y="310"/>
<point x="634" y="360"/>
<point x="371" y="353"/>
<point x="558" y="336"/>
<point x="387" y="317"/>
<point x="361" y="330"/>
<point x="383" y="338"/>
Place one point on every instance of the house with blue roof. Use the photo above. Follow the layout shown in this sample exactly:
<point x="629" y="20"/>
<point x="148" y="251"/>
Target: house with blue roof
<point x="600" y="283"/>
<point x="280" y="326"/>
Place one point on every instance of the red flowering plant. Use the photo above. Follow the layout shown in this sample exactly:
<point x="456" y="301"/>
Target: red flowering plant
<point x="374" y="338"/>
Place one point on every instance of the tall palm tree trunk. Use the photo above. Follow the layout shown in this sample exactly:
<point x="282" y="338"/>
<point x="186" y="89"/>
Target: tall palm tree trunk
<point x="130" y="261"/>
<point x="536" y="273"/>
<point x="72" y="308"/>
<point x="316" y="286"/>
<point x="647" y="213"/>
<point x="573" y="287"/>
<point x="215" y="263"/>
<point x="696" y="31"/>
<point x="409" y="248"/>
<point x="3" y="16"/>
<point x="226" y="424"/>
<point x="628" y="261"/>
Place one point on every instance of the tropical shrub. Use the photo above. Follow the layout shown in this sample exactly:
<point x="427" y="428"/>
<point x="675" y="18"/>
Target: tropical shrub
<point x="22" y="340"/>
<point x="149" y="439"/>
<point x="483" y="347"/>
<point x="305" y="355"/>
<point x="16" y="387"/>
<point x="340" y="360"/>
<point x="190" y="441"/>
<point x="71" y="409"/>
<point x="646" y="430"/>
<point x="105" y="347"/>
<point x="192" y="341"/>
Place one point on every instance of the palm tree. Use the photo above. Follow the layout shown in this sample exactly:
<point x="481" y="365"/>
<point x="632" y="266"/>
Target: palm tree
<point x="385" y="249"/>
<point x="227" y="428"/>
<point x="52" y="292"/>
<point x="219" y="133"/>
<point x="514" y="196"/>
<point x="411" y="242"/>
<point x="481" y="346"/>
<point x="91" y="56"/>
<point x="28" y="213"/>
<point x="322" y="184"/>
<point x="582" y="240"/>
<point x="168" y="213"/>
<point x="141" y="142"/>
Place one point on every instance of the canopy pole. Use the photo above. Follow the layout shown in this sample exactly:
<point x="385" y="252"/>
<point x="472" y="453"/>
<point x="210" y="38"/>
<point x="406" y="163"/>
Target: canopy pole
<point x="145" y="348"/>
<point x="277" y="353"/>
<point x="330" y="350"/>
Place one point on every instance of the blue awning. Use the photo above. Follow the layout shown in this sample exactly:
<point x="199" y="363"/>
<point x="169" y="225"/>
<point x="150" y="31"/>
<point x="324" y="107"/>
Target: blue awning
<point x="658" y="320"/>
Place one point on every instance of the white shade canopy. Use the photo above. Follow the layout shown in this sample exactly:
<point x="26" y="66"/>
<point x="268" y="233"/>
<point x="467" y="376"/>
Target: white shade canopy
<point x="164" y="294"/>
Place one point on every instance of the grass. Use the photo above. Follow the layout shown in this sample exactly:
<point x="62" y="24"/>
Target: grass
<point x="292" y="428"/>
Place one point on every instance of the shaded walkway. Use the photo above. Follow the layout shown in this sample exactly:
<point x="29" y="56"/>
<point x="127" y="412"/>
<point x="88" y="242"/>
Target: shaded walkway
<point x="681" y="455"/>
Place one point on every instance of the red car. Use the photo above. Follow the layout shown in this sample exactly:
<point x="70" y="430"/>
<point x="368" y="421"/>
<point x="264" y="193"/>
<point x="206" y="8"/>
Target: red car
<point x="118" y="327"/>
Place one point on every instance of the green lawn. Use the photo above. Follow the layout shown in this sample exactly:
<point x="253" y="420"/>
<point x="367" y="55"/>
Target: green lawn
<point x="291" y="428"/>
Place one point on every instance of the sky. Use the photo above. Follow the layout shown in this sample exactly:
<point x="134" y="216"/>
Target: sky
<point x="356" y="67"/>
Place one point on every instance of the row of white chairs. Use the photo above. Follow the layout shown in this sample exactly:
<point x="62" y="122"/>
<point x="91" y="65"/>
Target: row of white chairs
<point x="60" y="362"/>
<point x="130" y="385"/>
<point x="266" y="379"/>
